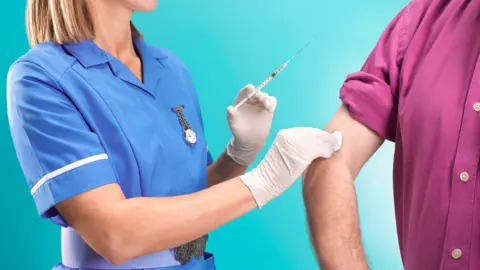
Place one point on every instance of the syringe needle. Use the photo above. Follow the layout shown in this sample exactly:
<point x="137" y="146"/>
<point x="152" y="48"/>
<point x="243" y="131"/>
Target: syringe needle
<point x="301" y="50"/>
<point x="280" y="69"/>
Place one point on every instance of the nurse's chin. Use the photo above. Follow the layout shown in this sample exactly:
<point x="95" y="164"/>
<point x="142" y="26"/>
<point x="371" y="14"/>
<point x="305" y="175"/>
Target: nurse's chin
<point x="140" y="5"/>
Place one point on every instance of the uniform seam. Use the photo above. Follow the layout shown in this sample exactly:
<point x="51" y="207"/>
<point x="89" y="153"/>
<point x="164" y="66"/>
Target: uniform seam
<point x="116" y="120"/>
<point x="65" y="72"/>
<point x="60" y="89"/>
<point x="50" y="75"/>
<point x="27" y="138"/>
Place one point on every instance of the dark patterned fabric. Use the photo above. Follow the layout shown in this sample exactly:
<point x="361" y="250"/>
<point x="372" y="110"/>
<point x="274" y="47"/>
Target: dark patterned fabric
<point x="196" y="248"/>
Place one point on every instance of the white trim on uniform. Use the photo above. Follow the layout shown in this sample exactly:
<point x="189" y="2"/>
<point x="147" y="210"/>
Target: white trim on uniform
<point x="65" y="169"/>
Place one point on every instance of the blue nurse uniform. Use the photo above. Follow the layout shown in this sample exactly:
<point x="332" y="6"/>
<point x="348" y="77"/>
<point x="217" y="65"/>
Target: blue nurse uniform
<point x="80" y="119"/>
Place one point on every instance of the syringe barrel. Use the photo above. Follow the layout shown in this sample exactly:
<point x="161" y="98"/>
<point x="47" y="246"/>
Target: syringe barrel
<point x="280" y="69"/>
<point x="264" y="83"/>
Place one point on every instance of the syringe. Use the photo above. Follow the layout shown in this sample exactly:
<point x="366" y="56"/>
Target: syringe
<point x="273" y="75"/>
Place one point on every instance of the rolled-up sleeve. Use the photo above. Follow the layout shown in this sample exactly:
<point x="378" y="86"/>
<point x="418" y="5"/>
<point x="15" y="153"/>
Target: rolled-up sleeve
<point x="371" y="94"/>
<point x="59" y="155"/>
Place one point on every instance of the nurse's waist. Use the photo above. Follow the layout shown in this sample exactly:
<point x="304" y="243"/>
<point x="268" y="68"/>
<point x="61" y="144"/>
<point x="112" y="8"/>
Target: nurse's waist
<point x="78" y="255"/>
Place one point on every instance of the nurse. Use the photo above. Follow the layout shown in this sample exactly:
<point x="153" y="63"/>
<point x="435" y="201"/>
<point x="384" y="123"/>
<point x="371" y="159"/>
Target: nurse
<point x="109" y="134"/>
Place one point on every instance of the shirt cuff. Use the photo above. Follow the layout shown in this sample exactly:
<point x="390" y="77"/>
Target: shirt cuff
<point x="71" y="183"/>
<point x="371" y="104"/>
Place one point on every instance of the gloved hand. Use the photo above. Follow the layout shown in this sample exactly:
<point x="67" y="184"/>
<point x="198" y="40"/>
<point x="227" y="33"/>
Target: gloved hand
<point x="291" y="153"/>
<point x="250" y="125"/>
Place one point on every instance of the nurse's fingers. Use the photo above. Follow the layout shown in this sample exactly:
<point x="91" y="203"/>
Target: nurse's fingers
<point x="259" y="97"/>
<point x="334" y="139"/>
<point x="339" y="140"/>
<point x="248" y="90"/>
<point x="270" y="104"/>
<point x="266" y="101"/>
<point x="316" y="135"/>
<point x="232" y="115"/>
<point x="324" y="150"/>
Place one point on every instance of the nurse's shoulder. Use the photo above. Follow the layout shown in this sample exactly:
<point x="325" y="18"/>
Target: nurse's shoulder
<point x="36" y="73"/>
<point x="44" y="59"/>
<point x="33" y="83"/>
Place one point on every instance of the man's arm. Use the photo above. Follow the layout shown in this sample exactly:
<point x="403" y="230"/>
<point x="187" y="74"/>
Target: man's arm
<point x="330" y="198"/>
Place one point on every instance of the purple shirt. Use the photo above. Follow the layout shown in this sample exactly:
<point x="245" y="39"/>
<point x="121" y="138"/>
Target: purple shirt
<point x="420" y="88"/>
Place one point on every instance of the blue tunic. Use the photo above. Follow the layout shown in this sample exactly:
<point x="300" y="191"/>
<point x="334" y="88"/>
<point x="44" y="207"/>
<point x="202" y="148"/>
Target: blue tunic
<point x="80" y="119"/>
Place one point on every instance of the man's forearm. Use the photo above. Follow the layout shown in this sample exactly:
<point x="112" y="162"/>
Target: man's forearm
<point x="223" y="169"/>
<point x="330" y="199"/>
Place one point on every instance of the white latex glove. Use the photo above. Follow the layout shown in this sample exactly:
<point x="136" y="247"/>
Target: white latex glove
<point x="250" y="125"/>
<point x="291" y="153"/>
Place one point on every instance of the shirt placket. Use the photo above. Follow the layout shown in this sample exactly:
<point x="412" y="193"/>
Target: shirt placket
<point x="456" y="253"/>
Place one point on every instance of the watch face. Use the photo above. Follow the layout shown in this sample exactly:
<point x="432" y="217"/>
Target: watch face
<point x="190" y="136"/>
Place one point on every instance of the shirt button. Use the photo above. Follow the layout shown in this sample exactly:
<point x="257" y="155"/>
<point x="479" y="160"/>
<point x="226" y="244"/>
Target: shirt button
<point x="476" y="107"/>
<point x="457" y="253"/>
<point x="464" y="176"/>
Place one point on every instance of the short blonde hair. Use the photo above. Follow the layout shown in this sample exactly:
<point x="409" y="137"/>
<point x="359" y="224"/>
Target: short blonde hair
<point x="59" y="21"/>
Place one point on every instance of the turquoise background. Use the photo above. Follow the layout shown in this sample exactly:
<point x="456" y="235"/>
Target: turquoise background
<point x="227" y="44"/>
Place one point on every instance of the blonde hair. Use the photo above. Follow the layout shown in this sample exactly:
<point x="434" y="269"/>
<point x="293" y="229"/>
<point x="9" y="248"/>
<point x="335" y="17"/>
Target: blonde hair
<point x="59" y="21"/>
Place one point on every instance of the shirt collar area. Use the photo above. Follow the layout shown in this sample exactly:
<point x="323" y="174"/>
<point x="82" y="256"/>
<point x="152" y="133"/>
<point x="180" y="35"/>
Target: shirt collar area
<point x="152" y="63"/>
<point x="145" y="51"/>
<point x="87" y="53"/>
